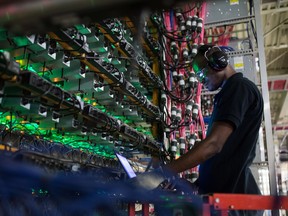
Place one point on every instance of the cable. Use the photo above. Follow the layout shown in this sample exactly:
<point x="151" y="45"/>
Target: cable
<point x="251" y="22"/>
<point x="218" y="35"/>
<point x="190" y="9"/>
<point x="174" y="97"/>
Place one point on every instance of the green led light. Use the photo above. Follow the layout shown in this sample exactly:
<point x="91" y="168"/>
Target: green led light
<point x="103" y="49"/>
<point x="69" y="139"/>
<point x="98" y="106"/>
<point x="196" y="67"/>
<point x="148" y="133"/>
<point x="21" y="41"/>
<point x="122" y="118"/>
<point x="103" y="110"/>
<point x="127" y="121"/>
<point x="39" y="191"/>
<point x="30" y="68"/>
<point x="59" y="84"/>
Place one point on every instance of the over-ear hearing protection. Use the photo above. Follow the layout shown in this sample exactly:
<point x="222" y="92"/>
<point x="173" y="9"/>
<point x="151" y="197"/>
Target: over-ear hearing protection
<point x="217" y="60"/>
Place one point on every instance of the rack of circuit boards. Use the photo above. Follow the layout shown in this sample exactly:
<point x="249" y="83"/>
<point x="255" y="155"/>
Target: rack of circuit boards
<point x="116" y="83"/>
<point x="71" y="96"/>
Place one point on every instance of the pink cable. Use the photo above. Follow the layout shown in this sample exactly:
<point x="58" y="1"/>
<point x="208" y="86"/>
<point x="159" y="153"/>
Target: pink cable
<point x="202" y="14"/>
<point x="198" y="101"/>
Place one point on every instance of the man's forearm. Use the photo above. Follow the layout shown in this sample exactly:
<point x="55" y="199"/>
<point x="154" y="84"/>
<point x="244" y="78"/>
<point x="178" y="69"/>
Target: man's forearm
<point x="194" y="157"/>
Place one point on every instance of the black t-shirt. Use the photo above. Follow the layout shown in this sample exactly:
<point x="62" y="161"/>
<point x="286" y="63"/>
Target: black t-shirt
<point x="240" y="103"/>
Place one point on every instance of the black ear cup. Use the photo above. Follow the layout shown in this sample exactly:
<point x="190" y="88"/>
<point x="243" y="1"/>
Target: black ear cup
<point x="218" y="60"/>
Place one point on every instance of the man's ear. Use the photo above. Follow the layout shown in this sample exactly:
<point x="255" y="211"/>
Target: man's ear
<point x="217" y="60"/>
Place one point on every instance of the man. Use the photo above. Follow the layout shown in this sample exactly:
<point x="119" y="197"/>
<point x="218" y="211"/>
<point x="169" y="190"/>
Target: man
<point x="229" y="148"/>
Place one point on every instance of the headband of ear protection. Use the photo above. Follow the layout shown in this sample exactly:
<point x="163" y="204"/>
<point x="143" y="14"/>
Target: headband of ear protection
<point x="217" y="60"/>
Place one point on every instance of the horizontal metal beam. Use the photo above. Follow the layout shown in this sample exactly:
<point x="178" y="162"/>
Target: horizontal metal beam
<point x="242" y="52"/>
<point x="276" y="72"/>
<point x="247" y="202"/>
<point x="278" y="77"/>
<point x="274" y="10"/>
<point x="280" y="127"/>
<point x="229" y="22"/>
<point x="282" y="46"/>
<point x="277" y="58"/>
<point x="275" y="28"/>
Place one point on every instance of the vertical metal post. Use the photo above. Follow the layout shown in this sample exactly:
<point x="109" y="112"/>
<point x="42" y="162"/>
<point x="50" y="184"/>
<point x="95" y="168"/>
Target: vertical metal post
<point x="145" y="209"/>
<point x="265" y="92"/>
<point x="131" y="209"/>
<point x="206" y="207"/>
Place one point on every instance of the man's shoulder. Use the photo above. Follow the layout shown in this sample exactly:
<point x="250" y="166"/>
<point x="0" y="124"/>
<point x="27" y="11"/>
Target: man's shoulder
<point x="241" y="80"/>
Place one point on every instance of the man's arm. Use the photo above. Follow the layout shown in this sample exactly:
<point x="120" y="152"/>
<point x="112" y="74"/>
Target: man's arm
<point x="205" y="149"/>
<point x="202" y="151"/>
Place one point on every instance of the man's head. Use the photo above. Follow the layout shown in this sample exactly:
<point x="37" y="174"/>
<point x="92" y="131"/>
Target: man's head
<point x="211" y="66"/>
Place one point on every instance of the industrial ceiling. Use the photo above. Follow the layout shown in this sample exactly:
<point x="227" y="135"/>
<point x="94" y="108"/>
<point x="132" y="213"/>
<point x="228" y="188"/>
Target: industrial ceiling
<point x="275" y="32"/>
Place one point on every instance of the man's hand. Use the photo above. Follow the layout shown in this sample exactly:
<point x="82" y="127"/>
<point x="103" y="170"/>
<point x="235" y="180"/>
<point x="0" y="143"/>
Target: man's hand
<point x="149" y="180"/>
